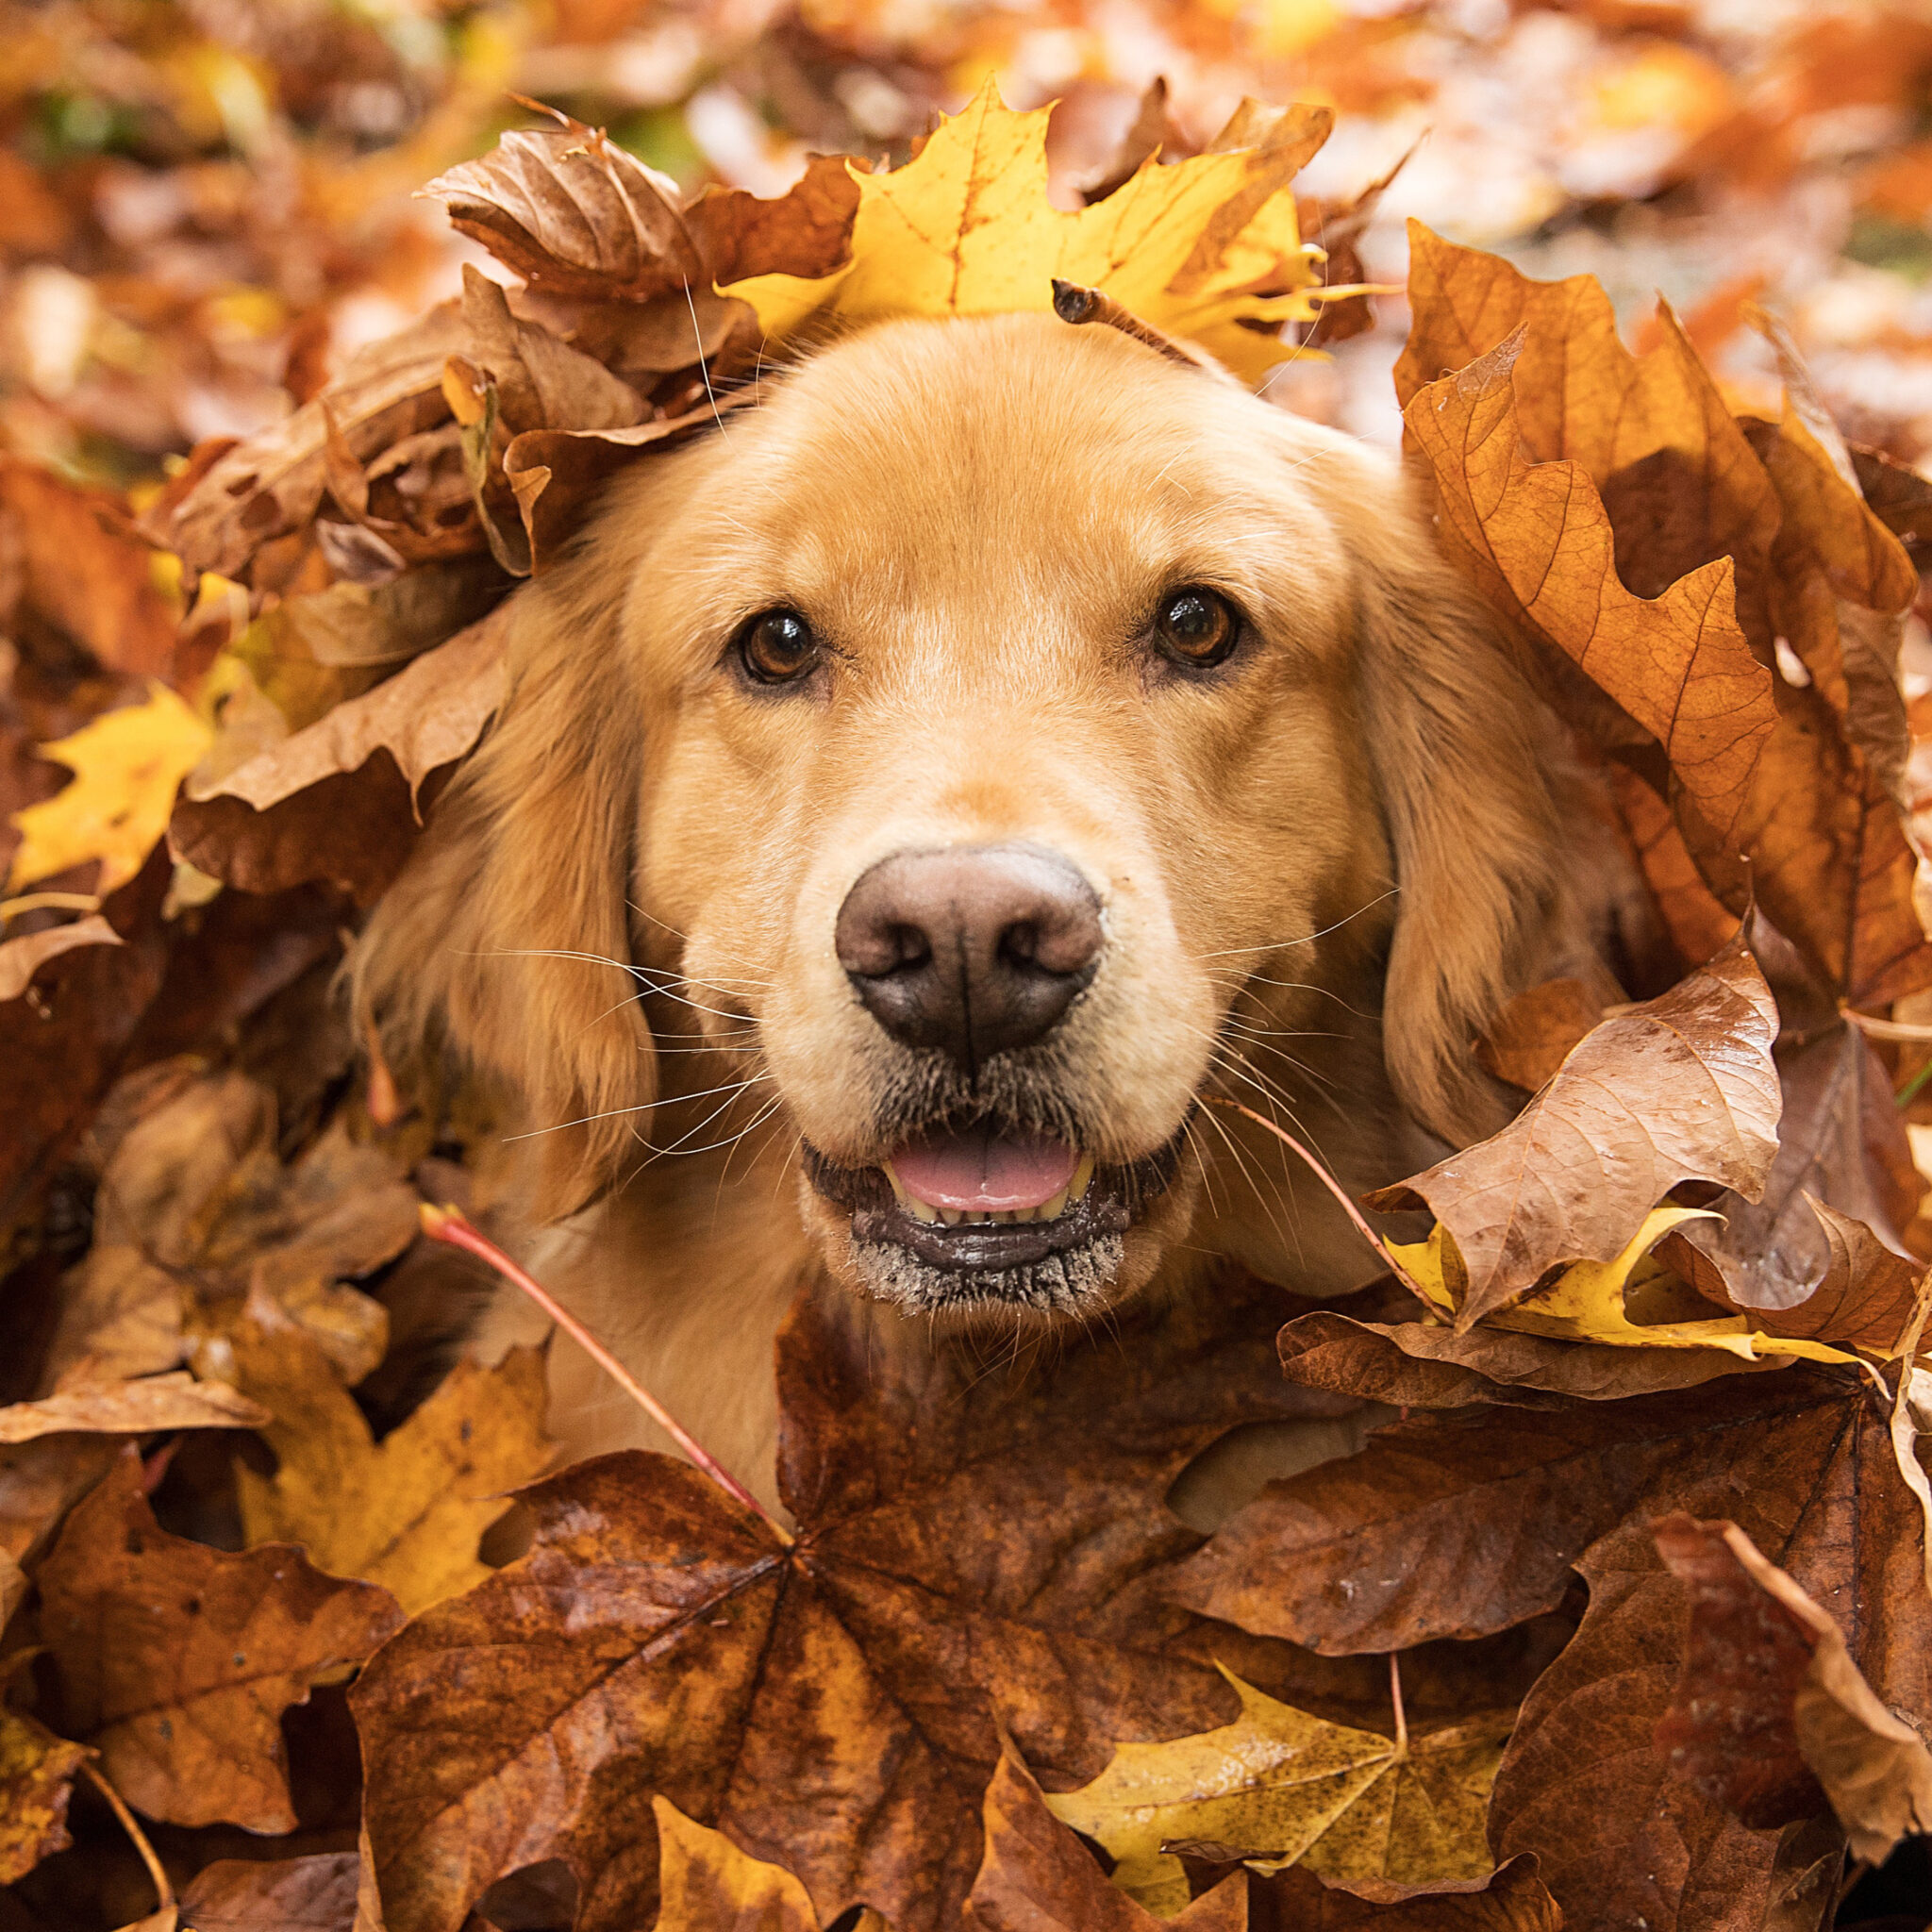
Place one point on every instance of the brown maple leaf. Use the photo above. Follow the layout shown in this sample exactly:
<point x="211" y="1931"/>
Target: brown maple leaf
<point x="313" y="1894"/>
<point x="966" y="1547"/>
<point x="176" y="1661"/>
<point x="1680" y="1088"/>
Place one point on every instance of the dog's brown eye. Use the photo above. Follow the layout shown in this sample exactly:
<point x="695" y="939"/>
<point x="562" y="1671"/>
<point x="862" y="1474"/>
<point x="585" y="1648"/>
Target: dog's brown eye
<point x="778" y="647"/>
<point x="1196" y="627"/>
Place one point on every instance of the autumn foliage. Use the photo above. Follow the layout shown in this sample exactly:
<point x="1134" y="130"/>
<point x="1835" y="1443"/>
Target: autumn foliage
<point x="1619" y="1613"/>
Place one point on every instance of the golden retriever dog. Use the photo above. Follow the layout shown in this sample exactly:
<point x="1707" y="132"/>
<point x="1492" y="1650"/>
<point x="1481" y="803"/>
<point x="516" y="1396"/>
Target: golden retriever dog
<point x="916" y="801"/>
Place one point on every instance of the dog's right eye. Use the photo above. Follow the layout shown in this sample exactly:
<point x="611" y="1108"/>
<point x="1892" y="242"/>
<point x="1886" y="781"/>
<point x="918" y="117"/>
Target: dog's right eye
<point x="778" y="647"/>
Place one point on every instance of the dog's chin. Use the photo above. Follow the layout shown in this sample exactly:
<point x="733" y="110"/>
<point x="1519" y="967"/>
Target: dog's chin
<point x="1069" y="1260"/>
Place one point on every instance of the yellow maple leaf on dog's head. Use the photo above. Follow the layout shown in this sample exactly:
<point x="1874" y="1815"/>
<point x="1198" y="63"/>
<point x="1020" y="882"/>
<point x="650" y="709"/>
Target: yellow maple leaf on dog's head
<point x="127" y="765"/>
<point x="1199" y="249"/>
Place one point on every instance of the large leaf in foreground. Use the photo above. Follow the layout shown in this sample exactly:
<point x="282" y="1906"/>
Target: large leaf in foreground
<point x="1680" y="1088"/>
<point x="967" y="1547"/>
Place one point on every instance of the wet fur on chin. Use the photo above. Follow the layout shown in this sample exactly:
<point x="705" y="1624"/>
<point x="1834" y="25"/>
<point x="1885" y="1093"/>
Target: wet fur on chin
<point x="1349" y="842"/>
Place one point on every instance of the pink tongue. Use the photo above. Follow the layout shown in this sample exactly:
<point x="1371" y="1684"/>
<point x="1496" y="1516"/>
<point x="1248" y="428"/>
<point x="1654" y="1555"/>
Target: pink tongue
<point x="982" y="1172"/>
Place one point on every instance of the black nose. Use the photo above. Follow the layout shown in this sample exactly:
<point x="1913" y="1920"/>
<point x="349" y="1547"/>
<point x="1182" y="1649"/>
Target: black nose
<point x="973" y="949"/>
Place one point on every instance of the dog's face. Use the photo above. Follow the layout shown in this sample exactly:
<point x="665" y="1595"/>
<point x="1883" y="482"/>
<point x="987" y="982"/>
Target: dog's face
<point x="1002" y="727"/>
<point x="1004" y="740"/>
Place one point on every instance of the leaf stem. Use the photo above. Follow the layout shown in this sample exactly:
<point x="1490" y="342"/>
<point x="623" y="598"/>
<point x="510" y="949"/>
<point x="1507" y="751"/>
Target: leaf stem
<point x="164" y="1892"/>
<point x="450" y="1225"/>
<point x="1335" y="1187"/>
<point x="1395" y="1698"/>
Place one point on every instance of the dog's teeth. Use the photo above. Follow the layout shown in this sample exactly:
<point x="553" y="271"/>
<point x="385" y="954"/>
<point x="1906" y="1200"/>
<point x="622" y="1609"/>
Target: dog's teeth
<point x="1052" y="1207"/>
<point x="951" y="1216"/>
<point x="899" y="1192"/>
<point x="918" y="1209"/>
<point x="1083" y="1176"/>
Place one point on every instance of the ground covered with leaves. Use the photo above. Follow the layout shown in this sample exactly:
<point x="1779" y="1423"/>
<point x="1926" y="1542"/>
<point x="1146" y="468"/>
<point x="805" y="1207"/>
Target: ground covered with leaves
<point x="1619" y="1617"/>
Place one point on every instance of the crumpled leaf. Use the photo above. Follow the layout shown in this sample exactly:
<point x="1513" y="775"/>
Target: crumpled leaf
<point x="573" y="213"/>
<point x="829" y="1705"/>
<point x="127" y="765"/>
<point x="540" y="383"/>
<point x="36" y="1773"/>
<point x="176" y="1661"/>
<point x="406" y="1512"/>
<point x="131" y="1408"/>
<point x="1035" y="1875"/>
<point x="338" y="800"/>
<point x="1770" y="1707"/>
<point x="1680" y="1088"/>
<point x="965" y="229"/>
<point x="1587" y="1301"/>
<point x="1292" y="1788"/>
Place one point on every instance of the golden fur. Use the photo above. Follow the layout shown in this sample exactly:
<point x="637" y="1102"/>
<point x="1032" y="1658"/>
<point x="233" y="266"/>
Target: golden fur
<point x="1322" y="867"/>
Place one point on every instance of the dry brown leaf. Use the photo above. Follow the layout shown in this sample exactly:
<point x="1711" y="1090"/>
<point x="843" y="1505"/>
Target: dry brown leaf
<point x="572" y="214"/>
<point x="40" y="1481"/>
<point x="1770" y="1707"/>
<point x="131" y="1408"/>
<point x="176" y="1661"/>
<point x="1037" y="1876"/>
<point x="337" y="801"/>
<point x="36" y="1773"/>
<point x="1680" y="1088"/>
<point x="805" y="232"/>
<point x="406" y="1512"/>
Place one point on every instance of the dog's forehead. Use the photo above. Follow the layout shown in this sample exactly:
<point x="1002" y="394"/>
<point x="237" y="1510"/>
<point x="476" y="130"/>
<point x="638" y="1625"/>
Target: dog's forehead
<point x="923" y="449"/>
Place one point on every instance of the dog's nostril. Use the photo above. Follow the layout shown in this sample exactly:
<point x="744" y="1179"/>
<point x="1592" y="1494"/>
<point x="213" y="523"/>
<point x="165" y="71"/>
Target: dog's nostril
<point x="975" y="950"/>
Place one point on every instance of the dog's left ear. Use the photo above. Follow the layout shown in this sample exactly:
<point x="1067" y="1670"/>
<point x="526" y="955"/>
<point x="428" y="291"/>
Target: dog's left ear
<point x="1483" y="808"/>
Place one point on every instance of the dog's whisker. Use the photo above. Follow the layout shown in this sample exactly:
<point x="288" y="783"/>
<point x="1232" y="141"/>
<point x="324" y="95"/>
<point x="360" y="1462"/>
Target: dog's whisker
<point x="730" y="1141"/>
<point x="643" y="1107"/>
<point x="1306" y="939"/>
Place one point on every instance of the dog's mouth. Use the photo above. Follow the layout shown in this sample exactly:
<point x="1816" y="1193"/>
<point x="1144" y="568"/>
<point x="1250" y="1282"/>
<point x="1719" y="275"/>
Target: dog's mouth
<point x="990" y="1215"/>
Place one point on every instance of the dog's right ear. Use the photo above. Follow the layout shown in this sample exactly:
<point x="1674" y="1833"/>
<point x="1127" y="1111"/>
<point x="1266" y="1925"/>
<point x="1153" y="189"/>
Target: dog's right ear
<point x="506" y="942"/>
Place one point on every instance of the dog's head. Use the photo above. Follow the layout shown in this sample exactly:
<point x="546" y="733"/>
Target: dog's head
<point x="984" y="748"/>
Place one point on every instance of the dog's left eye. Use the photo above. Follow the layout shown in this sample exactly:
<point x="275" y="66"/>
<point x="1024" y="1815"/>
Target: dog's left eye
<point x="1196" y="626"/>
<point x="778" y="647"/>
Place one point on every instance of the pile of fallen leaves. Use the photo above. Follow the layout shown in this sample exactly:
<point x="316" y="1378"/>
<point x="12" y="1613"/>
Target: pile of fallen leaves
<point x="1621" y="1615"/>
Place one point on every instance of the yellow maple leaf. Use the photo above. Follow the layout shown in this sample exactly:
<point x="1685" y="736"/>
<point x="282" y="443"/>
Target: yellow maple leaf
<point x="1286" y="1787"/>
<point x="127" y="766"/>
<point x="1198" y="249"/>
<point x="1585" y="1302"/>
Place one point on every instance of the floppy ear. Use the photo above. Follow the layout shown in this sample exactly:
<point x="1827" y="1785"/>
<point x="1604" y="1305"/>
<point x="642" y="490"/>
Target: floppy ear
<point x="1483" y="811"/>
<point x="530" y="855"/>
